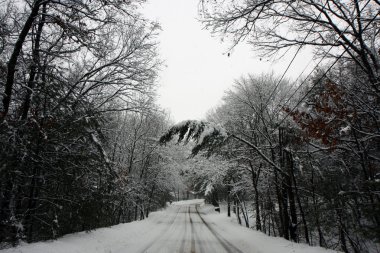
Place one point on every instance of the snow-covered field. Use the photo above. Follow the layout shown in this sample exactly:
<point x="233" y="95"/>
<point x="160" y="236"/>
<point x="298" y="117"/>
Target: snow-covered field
<point x="185" y="226"/>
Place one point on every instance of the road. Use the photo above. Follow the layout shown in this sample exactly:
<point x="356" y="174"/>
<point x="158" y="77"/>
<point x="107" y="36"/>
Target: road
<point x="185" y="229"/>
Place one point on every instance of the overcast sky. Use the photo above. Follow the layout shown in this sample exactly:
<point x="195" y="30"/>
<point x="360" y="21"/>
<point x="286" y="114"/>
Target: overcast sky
<point x="197" y="69"/>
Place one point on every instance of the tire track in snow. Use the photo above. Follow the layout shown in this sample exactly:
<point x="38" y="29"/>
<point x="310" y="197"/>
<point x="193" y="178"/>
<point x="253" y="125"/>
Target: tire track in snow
<point x="230" y="248"/>
<point x="161" y="235"/>
<point x="182" y="247"/>
<point x="192" y="233"/>
<point x="200" y="244"/>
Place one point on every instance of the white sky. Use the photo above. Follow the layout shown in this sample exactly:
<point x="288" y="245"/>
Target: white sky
<point x="198" y="70"/>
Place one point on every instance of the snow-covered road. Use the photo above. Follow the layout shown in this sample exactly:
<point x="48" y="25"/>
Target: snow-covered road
<point x="185" y="227"/>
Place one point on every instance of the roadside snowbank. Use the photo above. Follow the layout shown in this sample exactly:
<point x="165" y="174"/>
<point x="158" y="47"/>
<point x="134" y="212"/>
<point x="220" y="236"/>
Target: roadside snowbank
<point x="250" y="240"/>
<point x="117" y="238"/>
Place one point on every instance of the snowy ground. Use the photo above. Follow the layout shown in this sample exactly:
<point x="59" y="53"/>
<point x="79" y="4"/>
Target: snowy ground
<point x="185" y="226"/>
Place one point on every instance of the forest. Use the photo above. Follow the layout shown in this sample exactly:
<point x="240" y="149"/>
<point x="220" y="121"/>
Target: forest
<point x="84" y="143"/>
<point x="78" y="120"/>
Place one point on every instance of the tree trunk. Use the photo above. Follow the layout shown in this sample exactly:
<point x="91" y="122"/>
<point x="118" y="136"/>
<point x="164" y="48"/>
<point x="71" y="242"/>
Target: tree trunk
<point x="280" y="220"/>
<point x="263" y="218"/>
<point x="255" y="180"/>
<point x="285" y="214"/>
<point x="237" y="211"/>
<point x="11" y="66"/>
<point x="299" y="202"/>
<point x="292" y="203"/>
<point x="322" y="241"/>
<point x="245" y="213"/>
<point x="228" y="203"/>
<point x="284" y="189"/>
<point x="342" y="238"/>
<point x="34" y="65"/>
<point x="136" y="212"/>
<point x="150" y="200"/>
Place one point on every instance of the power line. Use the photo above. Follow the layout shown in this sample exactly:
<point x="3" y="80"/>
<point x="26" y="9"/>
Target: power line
<point x="319" y="61"/>
<point x="292" y="86"/>
<point x="295" y="55"/>
<point x="337" y="59"/>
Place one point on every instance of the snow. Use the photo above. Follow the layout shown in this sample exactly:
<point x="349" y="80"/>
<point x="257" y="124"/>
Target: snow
<point x="97" y="142"/>
<point x="209" y="189"/>
<point x="183" y="225"/>
<point x="254" y="241"/>
<point x="344" y="130"/>
<point x="209" y="128"/>
<point x="188" y="202"/>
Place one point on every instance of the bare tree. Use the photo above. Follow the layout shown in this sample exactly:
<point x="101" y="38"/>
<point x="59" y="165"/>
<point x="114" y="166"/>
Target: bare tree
<point x="271" y="26"/>
<point x="70" y="67"/>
